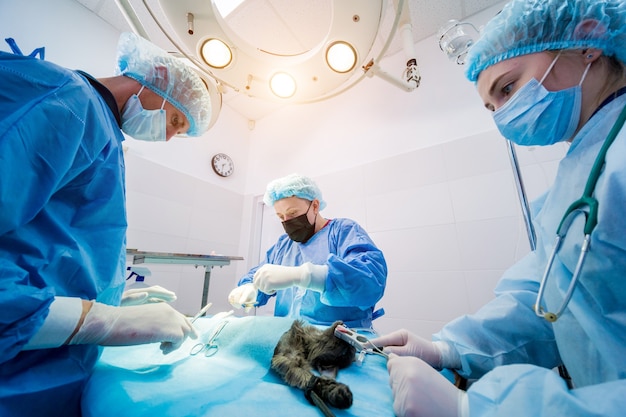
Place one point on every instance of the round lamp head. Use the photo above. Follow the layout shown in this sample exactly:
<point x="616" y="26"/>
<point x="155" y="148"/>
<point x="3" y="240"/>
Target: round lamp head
<point x="283" y="85"/>
<point x="341" y="57"/>
<point x="216" y="53"/>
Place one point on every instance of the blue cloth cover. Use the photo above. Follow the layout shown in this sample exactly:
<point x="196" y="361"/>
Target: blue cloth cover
<point x="140" y="381"/>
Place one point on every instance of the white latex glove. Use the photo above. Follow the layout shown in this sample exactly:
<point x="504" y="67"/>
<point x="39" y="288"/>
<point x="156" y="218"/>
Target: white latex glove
<point x="243" y="296"/>
<point x="135" y="325"/>
<point x="404" y="343"/>
<point x="154" y="294"/>
<point x="270" y="278"/>
<point x="419" y="390"/>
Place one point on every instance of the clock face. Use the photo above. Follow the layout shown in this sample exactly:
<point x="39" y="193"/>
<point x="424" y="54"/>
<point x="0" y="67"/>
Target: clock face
<point x="222" y="165"/>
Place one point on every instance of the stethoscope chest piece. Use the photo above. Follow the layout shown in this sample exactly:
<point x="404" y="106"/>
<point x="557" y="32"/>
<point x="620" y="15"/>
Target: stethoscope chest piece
<point x="551" y="317"/>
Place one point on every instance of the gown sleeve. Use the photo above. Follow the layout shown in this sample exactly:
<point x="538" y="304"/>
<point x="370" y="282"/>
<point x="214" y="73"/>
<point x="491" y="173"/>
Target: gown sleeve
<point x="532" y="391"/>
<point x="357" y="270"/>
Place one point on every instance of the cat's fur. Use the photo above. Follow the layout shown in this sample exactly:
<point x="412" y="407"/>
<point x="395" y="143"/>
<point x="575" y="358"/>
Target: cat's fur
<point x="304" y="348"/>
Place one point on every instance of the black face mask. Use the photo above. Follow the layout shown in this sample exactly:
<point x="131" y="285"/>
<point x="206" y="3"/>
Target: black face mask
<point x="299" y="229"/>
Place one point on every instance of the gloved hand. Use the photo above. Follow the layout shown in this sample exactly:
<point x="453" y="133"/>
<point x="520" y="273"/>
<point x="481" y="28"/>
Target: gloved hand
<point x="243" y="295"/>
<point x="154" y="294"/>
<point x="106" y="325"/>
<point x="270" y="278"/>
<point x="404" y="343"/>
<point x="419" y="390"/>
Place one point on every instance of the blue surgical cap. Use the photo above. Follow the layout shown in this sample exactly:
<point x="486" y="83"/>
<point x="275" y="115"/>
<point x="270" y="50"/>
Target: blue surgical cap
<point x="168" y="77"/>
<point x="292" y="185"/>
<point x="529" y="26"/>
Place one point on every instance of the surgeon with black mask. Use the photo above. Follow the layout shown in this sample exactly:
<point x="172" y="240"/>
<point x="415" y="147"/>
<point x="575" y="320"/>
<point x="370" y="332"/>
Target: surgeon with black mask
<point x="321" y="270"/>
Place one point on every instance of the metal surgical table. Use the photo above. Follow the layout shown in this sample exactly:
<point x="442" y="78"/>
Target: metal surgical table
<point x="208" y="261"/>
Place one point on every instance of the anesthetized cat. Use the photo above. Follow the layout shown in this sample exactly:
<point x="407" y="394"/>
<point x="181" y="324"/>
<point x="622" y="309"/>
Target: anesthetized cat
<point x="304" y="348"/>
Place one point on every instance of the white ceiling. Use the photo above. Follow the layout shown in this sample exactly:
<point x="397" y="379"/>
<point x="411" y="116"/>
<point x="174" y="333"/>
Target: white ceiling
<point x="293" y="26"/>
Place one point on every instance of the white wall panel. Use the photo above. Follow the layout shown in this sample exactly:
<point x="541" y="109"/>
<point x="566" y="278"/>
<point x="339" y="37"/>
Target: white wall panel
<point x="488" y="244"/>
<point x="420" y="249"/>
<point x="412" y="207"/>
<point x="484" y="196"/>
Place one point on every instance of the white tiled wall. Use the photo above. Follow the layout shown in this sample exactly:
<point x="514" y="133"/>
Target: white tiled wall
<point x="173" y="212"/>
<point x="448" y="219"/>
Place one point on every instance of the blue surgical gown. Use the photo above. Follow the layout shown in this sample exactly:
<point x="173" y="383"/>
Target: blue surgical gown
<point x="62" y="226"/>
<point x="357" y="274"/>
<point x="512" y="350"/>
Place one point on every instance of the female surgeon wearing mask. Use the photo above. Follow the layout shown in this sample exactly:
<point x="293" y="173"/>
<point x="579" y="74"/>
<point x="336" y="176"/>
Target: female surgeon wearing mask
<point x="550" y="71"/>
<point x="321" y="270"/>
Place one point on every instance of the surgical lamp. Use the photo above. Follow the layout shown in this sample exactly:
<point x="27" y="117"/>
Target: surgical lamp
<point x="339" y="61"/>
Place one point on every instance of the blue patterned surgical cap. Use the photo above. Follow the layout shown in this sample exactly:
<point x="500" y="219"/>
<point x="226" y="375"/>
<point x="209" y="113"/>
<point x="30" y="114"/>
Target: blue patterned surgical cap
<point x="168" y="77"/>
<point x="292" y="185"/>
<point x="529" y="26"/>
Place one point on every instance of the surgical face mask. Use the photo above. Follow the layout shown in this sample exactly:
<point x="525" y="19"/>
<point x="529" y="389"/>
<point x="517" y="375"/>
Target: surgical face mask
<point x="299" y="229"/>
<point x="536" y="116"/>
<point x="143" y="124"/>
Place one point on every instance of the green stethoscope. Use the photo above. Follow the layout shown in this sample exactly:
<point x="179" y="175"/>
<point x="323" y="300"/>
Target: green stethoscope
<point x="591" y="220"/>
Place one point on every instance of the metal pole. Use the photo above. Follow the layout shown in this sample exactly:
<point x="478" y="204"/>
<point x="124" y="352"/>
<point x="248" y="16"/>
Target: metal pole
<point x="521" y="192"/>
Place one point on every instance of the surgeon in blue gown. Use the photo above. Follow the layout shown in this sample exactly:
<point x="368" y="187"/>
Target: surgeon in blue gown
<point x="550" y="70"/>
<point x="321" y="270"/>
<point x="63" y="217"/>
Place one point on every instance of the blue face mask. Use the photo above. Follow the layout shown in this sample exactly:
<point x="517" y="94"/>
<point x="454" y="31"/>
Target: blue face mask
<point x="143" y="124"/>
<point x="536" y="116"/>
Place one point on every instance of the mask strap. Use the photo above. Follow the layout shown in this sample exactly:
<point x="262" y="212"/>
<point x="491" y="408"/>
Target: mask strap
<point x="550" y="67"/>
<point x="584" y="74"/>
<point x="141" y="89"/>
<point x="307" y="214"/>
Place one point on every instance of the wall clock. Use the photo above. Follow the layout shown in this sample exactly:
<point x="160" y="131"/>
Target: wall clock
<point x="222" y="164"/>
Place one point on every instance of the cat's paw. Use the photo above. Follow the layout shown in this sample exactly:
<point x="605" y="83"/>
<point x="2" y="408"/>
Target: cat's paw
<point x="333" y="393"/>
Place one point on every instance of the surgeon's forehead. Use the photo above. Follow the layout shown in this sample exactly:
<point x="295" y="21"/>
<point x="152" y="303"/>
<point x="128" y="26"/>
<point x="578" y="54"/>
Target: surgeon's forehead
<point x="290" y="203"/>
<point x="497" y="76"/>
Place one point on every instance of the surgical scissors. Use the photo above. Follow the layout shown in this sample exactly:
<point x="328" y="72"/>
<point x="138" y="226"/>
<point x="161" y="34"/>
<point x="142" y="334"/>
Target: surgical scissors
<point x="210" y="348"/>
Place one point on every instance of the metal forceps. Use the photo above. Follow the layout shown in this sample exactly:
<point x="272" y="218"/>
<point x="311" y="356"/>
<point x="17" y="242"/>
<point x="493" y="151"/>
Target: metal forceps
<point x="209" y="348"/>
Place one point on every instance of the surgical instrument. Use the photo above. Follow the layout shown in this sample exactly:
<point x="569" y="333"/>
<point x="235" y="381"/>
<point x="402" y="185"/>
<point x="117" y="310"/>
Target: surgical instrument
<point x="201" y="312"/>
<point x="210" y="348"/>
<point x="360" y="342"/>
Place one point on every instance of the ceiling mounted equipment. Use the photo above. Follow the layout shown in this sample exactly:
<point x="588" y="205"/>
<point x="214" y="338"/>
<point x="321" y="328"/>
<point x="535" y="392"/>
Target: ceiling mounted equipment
<point x="341" y="59"/>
